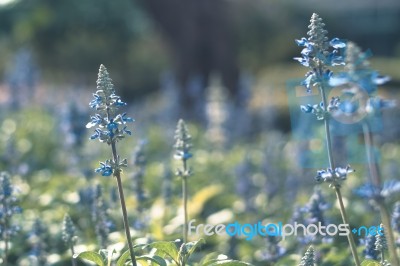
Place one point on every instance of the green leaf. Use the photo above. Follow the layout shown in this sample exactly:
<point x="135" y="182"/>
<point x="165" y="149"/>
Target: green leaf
<point x="124" y="257"/>
<point x="90" y="256"/>
<point x="226" y="263"/>
<point x="154" y="258"/>
<point x="166" y="248"/>
<point x="370" y="263"/>
<point x="192" y="246"/>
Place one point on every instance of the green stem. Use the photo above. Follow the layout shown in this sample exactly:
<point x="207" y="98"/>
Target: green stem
<point x="117" y="175"/>
<point x="185" y="199"/>
<point x="377" y="181"/>
<point x="5" y="235"/>
<point x="345" y="220"/>
<point x="338" y="193"/>
<point x="73" y="252"/>
<point x="5" y="259"/>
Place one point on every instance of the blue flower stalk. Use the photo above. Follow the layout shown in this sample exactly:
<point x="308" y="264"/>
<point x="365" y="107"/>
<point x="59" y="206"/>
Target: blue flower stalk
<point x="319" y="54"/>
<point x="8" y="208"/>
<point x="110" y="127"/>
<point x="358" y="71"/>
<point x="68" y="235"/>
<point x="182" y="153"/>
<point x="39" y="239"/>
<point x="100" y="217"/>
<point x="381" y="244"/>
<point x="309" y="257"/>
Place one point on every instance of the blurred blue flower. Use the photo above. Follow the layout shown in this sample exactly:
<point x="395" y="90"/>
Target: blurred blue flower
<point x="376" y="104"/>
<point x="369" y="251"/>
<point x="316" y="207"/>
<point x="370" y="191"/>
<point x="8" y="208"/>
<point x="367" y="191"/>
<point x="358" y="71"/>
<point x="390" y="188"/>
<point x="103" y="223"/>
<point x="396" y="217"/>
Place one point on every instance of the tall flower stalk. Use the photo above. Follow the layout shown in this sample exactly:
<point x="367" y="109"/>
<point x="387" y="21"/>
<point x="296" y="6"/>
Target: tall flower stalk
<point x="68" y="235"/>
<point x="8" y="208"/>
<point x="318" y="54"/>
<point x="182" y="153"/>
<point x="381" y="243"/>
<point x="110" y="127"/>
<point x="359" y="72"/>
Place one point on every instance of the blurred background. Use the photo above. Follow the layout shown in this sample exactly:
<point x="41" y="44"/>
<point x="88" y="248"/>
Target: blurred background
<point x="145" y="43"/>
<point x="224" y="66"/>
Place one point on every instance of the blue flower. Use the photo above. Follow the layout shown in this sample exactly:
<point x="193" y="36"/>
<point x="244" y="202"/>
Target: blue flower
<point x="305" y="61"/>
<point x="367" y="191"/>
<point x="97" y="101"/>
<point x="306" y="108"/>
<point x="390" y="188"/>
<point x="112" y="125"/>
<point x="334" y="59"/>
<point x="337" y="43"/>
<point x="104" y="169"/>
<point x="302" y="42"/>
<point x="182" y="155"/>
<point x="376" y="104"/>
<point x="118" y="102"/>
<point x="378" y="79"/>
<point x="123" y="119"/>
<point x="334" y="177"/>
<point x="126" y="131"/>
<point x="95" y="121"/>
<point x="370" y="191"/>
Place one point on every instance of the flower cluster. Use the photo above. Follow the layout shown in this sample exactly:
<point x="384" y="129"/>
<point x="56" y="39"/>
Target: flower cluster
<point x="309" y="258"/>
<point x="103" y="224"/>
<point x="334" y="177"/>
<point x="369" y="251"/>
<point x="371" y="191"/>
<point x="139" y="163"/>
<point x="182" y="147"/>
<point x="381" y="243"/>
<point x="39" y="239"/>
<point x="106" y="168"/>
<point x="358" y="71"/>
<point x="68" y="231"/>
<point x="363" y="82"/>
<point x="8" y="207"/>
<point x="317" y="54"/>
<point x="318" y="109"/>
<point x="110" y="127"/>
<point x="316" y="207"/>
